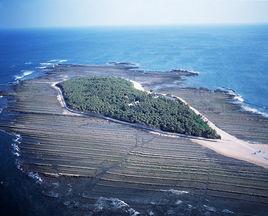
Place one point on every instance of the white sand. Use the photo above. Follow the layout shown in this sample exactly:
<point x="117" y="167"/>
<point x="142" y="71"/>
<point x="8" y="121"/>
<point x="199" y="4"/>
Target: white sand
<point x="138" y="86"/>
<point x="61" y="101"/>
<point x="228" y="145"/>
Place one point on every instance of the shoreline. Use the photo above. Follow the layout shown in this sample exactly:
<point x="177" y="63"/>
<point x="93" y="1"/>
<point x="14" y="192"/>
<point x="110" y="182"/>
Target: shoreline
<point x="69" y="111"/>
<point x="117" y="160"/>
<point x="228" y="145"/>
<point x="231" y="146"/>
<point x="239" y="100"/>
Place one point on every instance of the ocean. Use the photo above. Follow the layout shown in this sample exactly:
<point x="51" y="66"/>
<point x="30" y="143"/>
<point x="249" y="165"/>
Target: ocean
<point x="228" y="57"/>
<point x="233" y="57"/>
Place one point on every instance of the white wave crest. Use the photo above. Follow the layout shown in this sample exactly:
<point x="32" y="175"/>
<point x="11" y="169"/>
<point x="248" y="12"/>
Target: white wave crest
<point x="178" y="202"/>
<point x="15" y="149"/>
<point x="51" y="63"/>
<point x="238" y="99"/>
<point x="15" y="145"/>
<point x="35" y="176"/>
<point x="176" y="192"/>
<point x="253" y="110"/>
<point x="227" y="211"/>
<point x="114" y="204"/>
<point x="41" y="67"/>
<point x="18" y="137"/>
<point x="46" y="64"/>
<point x="58" y="60"/>
<point x="28" y="63"/>
<point x="19" y="165"/>
<point x="210" y="208"/>
<point x="23" y="75"/>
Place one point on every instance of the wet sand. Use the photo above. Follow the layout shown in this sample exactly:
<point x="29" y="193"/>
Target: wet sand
<point x="115" y="160"/>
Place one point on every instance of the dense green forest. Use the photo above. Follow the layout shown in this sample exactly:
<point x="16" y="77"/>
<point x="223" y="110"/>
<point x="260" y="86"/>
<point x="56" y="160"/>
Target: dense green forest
<point x="117" y="98"/>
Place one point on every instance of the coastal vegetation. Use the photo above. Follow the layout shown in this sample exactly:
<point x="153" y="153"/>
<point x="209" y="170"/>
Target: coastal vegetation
<point x="117" y="98"/>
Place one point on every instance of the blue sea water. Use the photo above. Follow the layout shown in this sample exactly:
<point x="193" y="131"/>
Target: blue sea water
<point x="233" y="57"/>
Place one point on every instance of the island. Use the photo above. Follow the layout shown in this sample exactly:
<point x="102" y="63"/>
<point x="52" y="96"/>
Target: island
<point x="118" y="98"/>
<point x="87" y="162"/>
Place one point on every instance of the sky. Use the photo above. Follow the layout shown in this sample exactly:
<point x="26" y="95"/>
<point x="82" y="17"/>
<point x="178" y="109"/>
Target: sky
<point x="76" y="13"/>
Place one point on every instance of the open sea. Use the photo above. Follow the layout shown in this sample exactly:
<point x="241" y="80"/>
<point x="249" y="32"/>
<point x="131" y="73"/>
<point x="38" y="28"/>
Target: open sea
<point x="229" y="57"/>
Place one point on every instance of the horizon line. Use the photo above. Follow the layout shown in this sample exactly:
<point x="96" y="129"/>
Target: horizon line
<point x="136" y="26"/>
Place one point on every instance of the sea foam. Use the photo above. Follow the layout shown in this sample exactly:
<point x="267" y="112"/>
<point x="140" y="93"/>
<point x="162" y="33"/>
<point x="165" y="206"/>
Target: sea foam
<point x="238" y="99"/>
<point x="15" y="145"/>
<point x="58" y="60"/>
<point x="16" y="152"/>
<point x="227" y="211"/>
<point x="24" y="74"/>
<point x="113" y="204"/>
<point x="41" y="67"/>
<point x="247" y="108"/>
<point x="175" y="192"/>
<point x="46" y="64"/>
<point x="51" y="63"/>
<point x="35" y="176"/>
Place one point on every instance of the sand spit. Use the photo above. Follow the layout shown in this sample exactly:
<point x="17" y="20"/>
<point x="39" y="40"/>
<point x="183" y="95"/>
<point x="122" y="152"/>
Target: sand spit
<point x="229" y="145"/>
<point x="137" y="85"/>
<point x="100" y="158"/>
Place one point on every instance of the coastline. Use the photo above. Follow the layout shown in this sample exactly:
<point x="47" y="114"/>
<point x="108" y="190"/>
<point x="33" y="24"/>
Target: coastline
<point x="69" y="111"/>
<point x="239" y="100"/>
<point x="228" y="145"/>
<point x="95" y="157"/>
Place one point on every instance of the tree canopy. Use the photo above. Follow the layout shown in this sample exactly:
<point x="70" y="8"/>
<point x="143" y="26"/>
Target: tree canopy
<point x="117" y="98"/>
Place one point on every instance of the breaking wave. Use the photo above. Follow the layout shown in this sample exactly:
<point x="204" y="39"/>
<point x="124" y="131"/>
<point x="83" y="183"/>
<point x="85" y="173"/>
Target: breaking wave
<point x="238" y="99"/>
<point x="254" y="110"/>
<point x="35" y="176"/>
<point x="175" y="192"/>
<point x="24" y="74"/>
<point x="227" y="211"/>
<point x="51" y="63"/>
<point x="15" y="145"/>
<point x="210" y="208"/>
<point x="16" y="151"/>
<point x="114" y="205"/>
<point x="58" y="61"/>
<point x="41" y="67"/>
<point x="18" y="165"/>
